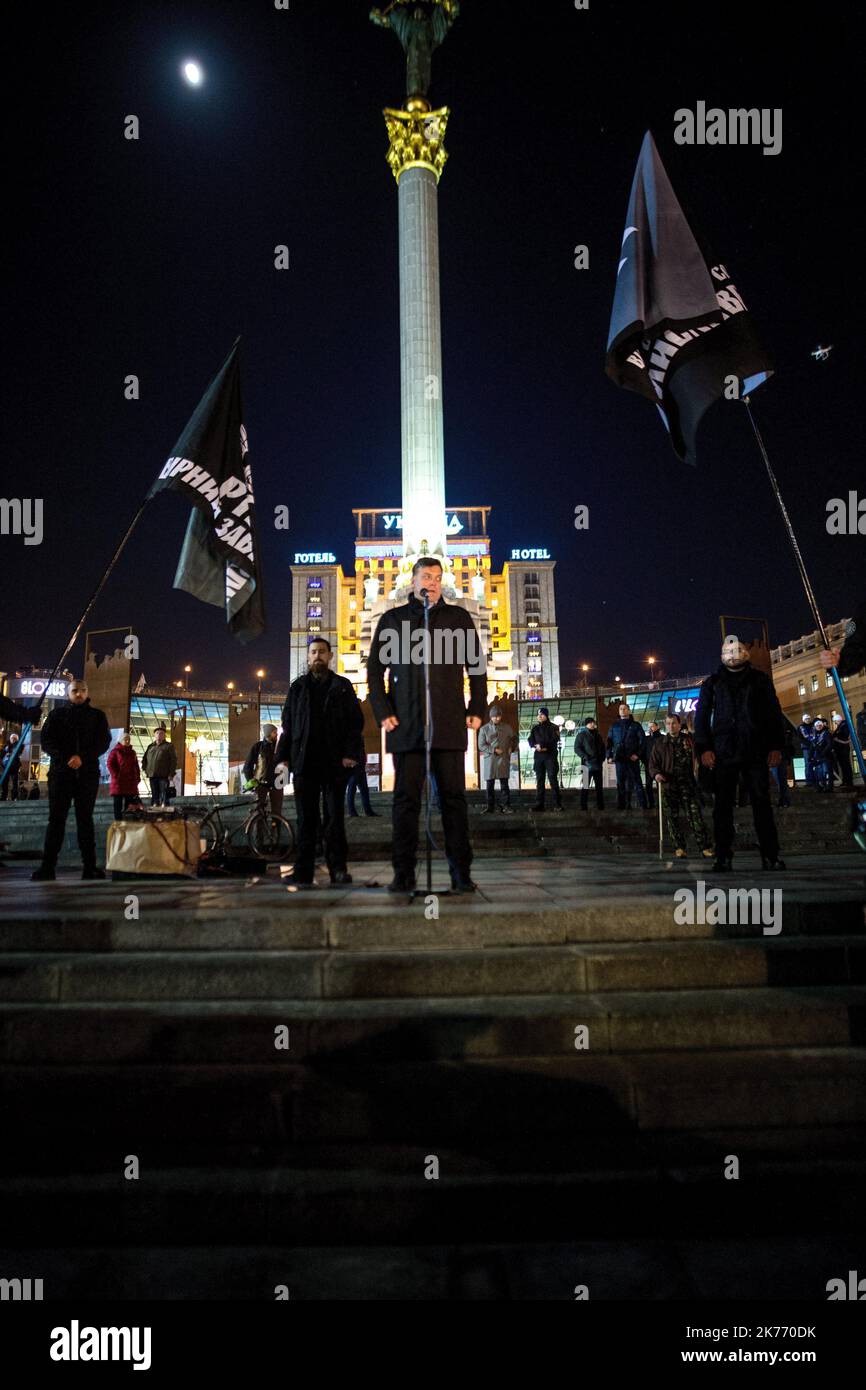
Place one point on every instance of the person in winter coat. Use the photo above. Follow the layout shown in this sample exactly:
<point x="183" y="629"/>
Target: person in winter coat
<point x="358" y="783"/>
<point x="672" y="765"/>
<point x="160" y="765"/>
<point x="321" y="741"/>
<point x="75" y="735"/>
<point x="851" y="658"/>
<point x="589" y="747"/>
<point x="822" y="756"/>
<point x="19" y="714"/>
<point x="124" y="774"/>
<point x="654" y="733"/>
<point x="739" y="730"/>
<point x="15" y="714"/>
<point x="841" y="735"/>
<point x="455" y="647"/>
<point x="260" y="772"/>
<point x="544" y="740"/>
<point x="806" y="735"/>
<point x="496" y="743"/>
<point x="10" y="764"/>
<point x="626" y="744"/>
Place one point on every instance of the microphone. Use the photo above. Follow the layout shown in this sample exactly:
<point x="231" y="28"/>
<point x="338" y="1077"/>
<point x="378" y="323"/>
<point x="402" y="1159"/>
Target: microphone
<point x="424" y="593"/>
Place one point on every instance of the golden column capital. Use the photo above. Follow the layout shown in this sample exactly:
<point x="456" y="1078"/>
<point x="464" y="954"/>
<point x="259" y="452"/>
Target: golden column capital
<point x="416" y="140"/>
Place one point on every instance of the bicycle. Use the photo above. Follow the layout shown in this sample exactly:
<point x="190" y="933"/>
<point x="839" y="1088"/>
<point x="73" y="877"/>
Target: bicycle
<point x="269" y="837"/>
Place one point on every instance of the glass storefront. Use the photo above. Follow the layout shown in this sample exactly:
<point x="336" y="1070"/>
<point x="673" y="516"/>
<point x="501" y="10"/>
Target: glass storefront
<point x="207" y="720"/>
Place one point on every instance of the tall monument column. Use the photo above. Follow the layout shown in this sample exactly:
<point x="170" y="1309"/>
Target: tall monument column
<point x="416" y="156"/>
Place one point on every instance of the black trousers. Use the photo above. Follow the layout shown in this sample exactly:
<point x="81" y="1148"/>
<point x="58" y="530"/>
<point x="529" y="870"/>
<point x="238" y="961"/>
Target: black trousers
<point x="358" y="782"/>
<point x="311" y="786"/>
<point x="159" y="791"/>
<point x="121" y="802"/>
<point x="628" y="780"/>
<point x="67" y="789"/>
<point x="588" y="776"/>
<point x="547" y="764"/>
<point x="757" y="780"/>
<point x="447" y="766"/>
<point x="10" y="786"/>
<point x="490" y="783"/>
<point x="843" y="758"/>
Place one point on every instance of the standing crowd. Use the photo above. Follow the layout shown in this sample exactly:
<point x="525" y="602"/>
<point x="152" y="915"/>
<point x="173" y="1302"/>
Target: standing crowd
<point x="740" y="740"/>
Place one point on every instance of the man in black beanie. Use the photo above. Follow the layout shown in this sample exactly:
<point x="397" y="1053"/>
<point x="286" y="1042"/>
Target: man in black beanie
<point x="544" y="740"/>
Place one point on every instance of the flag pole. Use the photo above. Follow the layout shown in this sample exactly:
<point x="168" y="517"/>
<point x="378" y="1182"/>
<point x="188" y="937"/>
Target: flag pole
<point x="80" y="624"/>
<point x="810" y="593"/>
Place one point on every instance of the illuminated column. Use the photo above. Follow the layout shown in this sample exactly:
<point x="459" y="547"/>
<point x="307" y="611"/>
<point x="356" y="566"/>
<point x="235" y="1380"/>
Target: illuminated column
<point x="417" y="156"/>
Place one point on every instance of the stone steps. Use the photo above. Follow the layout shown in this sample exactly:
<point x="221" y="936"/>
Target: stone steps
<point x="808" y="825"/>
<point x="303" y="974"/>
<point x="278" y="1204"/>
<point x="405" y="1029"/>
<point x="775" y="1268"/>
<point x="182" y="1111"/>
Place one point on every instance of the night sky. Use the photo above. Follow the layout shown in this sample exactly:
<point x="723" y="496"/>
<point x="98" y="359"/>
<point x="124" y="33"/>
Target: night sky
<point x="149" y="257"/>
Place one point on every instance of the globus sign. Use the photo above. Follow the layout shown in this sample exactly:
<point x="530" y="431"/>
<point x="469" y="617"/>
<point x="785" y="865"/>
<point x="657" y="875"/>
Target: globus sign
<point x="34" y="686"/>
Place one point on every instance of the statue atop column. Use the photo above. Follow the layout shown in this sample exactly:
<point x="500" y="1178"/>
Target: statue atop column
<point x="419" y="32"/>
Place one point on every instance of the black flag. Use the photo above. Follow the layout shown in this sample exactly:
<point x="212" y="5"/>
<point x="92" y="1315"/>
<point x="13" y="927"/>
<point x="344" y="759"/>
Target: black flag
<point x="219" y="562"/>
<point x="680" y="333"/>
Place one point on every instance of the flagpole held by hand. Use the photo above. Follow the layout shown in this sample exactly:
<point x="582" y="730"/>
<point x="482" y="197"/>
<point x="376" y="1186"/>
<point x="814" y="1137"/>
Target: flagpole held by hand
<point x="810" y="593"/>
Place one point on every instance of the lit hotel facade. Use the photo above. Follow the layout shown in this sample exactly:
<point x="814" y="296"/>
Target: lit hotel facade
<point x="514" y="611"/>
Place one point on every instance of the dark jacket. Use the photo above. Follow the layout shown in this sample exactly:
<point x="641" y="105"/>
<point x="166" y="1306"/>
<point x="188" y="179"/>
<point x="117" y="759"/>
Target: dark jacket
<point x="738" y="717"/>
<point x="651" y="740"/>
<point x="17" y="714"/>
<point x="547" y="734"/>
<point x="404" y="696"/>
<point x="589" y="747"/>
<point x="853" y="656"/>
<point x="160" y="760"/>
<point x="72" y="731"/>
<point x="625" y="738"/>
<point x="266" y="749"/>
<point x="343" y="722"/>
<point x="124" y="770"/>
<point x="661" y="756"/>
<point x="822" y="748"/>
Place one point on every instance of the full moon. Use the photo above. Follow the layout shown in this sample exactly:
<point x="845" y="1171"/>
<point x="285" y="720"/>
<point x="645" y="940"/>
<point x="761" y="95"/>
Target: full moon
<point x="193" y="74"/>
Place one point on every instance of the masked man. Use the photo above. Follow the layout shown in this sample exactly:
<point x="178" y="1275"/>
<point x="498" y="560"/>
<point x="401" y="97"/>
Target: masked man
<point x="740" y="732"/>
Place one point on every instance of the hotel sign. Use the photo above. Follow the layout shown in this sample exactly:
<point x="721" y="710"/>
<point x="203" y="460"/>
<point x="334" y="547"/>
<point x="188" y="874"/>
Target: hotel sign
<point x="315" y="557"/>
<point x="518" y="554"/>
<point x="393" y="521"/>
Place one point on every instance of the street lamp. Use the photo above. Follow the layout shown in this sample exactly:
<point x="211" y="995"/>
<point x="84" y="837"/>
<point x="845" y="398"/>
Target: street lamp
<point x="230" y="685"/>
<point x="260" y="675"/>
<point x="584" y="668"/>
<point x="186" y="675"/>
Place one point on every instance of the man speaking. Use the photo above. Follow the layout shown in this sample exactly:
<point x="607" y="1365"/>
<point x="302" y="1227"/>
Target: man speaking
<point x="398" y="646"/>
